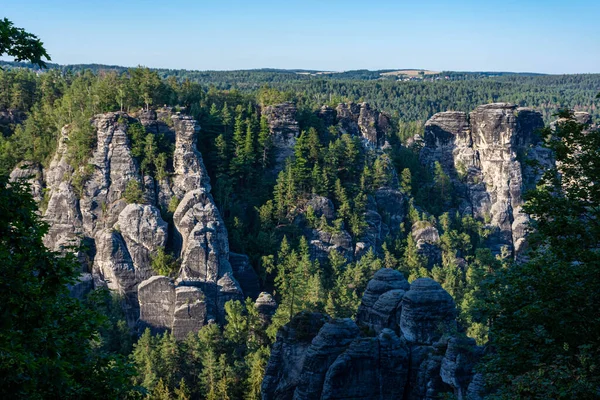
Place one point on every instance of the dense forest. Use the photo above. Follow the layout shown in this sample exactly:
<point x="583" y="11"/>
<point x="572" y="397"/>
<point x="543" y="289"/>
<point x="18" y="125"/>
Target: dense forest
<point x="407" y="101"/>
<point x="268" y="214"/>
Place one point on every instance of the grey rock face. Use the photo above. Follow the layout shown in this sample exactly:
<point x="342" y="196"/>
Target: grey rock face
<point x="83" y="286"/>
<point x="266" y="306"/>
<point x="314" y="358"/>
<point x="381" y="302"/>
<point x="322" y="206"/>
<point x="9" y="118"/>
<point x="190" y="173"/>
<point x="284" y="130"/>
<point x="371" y="368"/>
<point x="32" y="174"/>
<point x="327" y="115"/>
<point x="190" y="311"/>
<point x="114" y="167"/>
<point x="362" y="120"/>
<point x="347" y="116"/>
<point x="323" y="242"/>
<point x="428" y="312"/>
<point x="482" y="157"/>
<point x="427" y="239"/>
<point x="392" y="207"/>
<point x="424" y="378"/>
<point x="457" y="365"/>
<point x="288" y="354"/>
<point x="114" y="267"/>
<point x="124" y="237"/>
<point x="144" y="231"/>
<point x="333" y="338"/>
<point x="157" y="303"/>
<point x="62" y="212"/>
<point x="245" y="274"/>
<point x="205" y="248"/>
<point x="163" y="306"/>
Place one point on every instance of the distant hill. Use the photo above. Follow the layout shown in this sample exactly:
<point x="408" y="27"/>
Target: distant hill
<point x="265" y="73"/>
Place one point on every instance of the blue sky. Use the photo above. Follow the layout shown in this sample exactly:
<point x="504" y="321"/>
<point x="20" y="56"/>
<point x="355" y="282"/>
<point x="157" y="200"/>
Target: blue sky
<point x="523" y="36"/>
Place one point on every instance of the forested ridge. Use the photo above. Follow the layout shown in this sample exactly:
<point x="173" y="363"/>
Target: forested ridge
<point x="408" y="101"/>
<point x="269" y="216"/>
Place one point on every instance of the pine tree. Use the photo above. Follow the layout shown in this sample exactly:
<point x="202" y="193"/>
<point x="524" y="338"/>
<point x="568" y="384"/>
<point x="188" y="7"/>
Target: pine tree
<point x="406" y="181"/>
<point x="182" y="392"/>
<point x="160" y="391"/>
<point x="257" y="363"/>
<point x="264" y="143"/>
<point x="236" y="329"/>
<point x="145" y="359"/>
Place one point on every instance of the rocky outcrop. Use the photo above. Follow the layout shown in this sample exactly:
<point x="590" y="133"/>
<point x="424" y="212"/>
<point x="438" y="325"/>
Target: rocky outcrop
<point x="164" y="306"/>
<point x="245" y="275"/>
<point x="114" y="268"/>
<point x="288" y="353"/>
<point x="157" y="303"/>
<point x="113" y="168"/>
<point x="370" y="368"/>
<point x="402" y="346"/>
<point x="333" y="338"/>
<point x="428" y="311"/>
<point x="482" y="154"/>
<point x="361" y="120"/>
<point x="190" y="173"/>
<point x="62" y="211"/>
<point x="322" y="242"/>
<point x="144" y="232"/>
<point x="87" y="205"/>
<point x="391" y="205"/>
<point x="427" y="239"/>
<point x="204" y="244"/>
<point x="33" y="175"/>
<point x="381" y="303"/>
<point x="266" y="306"/>
<point x="190" y="311"/>
<point x="284" y="130"/>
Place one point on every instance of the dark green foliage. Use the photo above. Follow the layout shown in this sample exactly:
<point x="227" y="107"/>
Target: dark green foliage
<point x="16" y="42"/>
<point x="133" y="192"/>
<point x="544" y="312"/>
<point x="164" y="263"/>
<point x="48" y="340"/>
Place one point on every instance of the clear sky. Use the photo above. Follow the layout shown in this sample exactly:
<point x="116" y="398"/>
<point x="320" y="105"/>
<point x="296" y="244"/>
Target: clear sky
<point x="501" y="35"/>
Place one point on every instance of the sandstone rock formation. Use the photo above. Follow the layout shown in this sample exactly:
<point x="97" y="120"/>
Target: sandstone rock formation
<point x="31" y="173"/>
<point x="87" y="205"/>
<point x="482" y="154"/>
<point x="361" y="120"/>
<point x="284" y="130"/>
<point x="414" y="353"/>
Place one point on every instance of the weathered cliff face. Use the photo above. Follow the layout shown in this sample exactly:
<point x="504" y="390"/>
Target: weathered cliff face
<point x="122" y="239"/>
<point x="355" y="119"/>
<point x="483" y="154"/>
<point x="190" y="173"/>
<point x="32" y="173"/>
<point x="361" y="120"/>
<point x="413" y="354"/>
<point x="284" y="130"/>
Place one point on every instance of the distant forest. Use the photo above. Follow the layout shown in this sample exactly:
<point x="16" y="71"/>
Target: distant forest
<point x="414" y="100"/>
